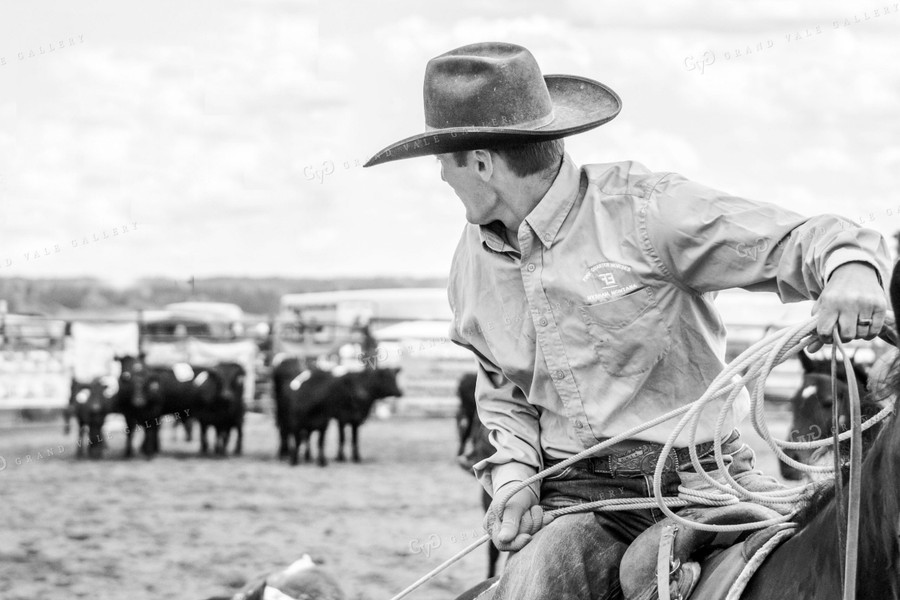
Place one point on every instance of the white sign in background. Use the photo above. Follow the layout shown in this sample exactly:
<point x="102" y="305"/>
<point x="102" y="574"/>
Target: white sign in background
<point x="33" y="379"/>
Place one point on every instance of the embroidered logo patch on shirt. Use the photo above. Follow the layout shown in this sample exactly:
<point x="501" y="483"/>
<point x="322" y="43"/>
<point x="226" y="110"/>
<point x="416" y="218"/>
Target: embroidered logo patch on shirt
<point x="614" y="280"/>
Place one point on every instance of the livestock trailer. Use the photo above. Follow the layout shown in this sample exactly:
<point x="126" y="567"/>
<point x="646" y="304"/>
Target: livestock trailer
<point x="202" y="334"/>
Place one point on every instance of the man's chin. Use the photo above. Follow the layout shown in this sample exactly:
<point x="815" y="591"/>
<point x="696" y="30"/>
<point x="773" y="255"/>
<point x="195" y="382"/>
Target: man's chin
<point x="478" y="219"/>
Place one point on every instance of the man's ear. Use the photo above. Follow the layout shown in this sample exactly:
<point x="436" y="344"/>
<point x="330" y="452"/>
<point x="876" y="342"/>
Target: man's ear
<point x="484" y="163"/>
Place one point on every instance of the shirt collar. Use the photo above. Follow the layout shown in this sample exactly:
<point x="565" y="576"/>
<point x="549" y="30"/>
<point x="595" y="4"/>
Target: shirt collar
<point x="493" y="238"/>
<point x="547" y="217"/>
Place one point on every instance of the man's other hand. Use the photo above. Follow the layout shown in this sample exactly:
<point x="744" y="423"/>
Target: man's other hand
<point x="854" y="301"/>
<point x="521" y="518"/>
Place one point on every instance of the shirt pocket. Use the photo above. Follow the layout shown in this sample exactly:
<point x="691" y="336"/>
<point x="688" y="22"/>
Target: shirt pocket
<point x="628" y="334"/>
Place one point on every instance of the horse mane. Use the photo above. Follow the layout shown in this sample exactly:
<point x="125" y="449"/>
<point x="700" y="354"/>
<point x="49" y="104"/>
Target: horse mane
<point x="818" y="500"/>
<point x="879" y="468"/>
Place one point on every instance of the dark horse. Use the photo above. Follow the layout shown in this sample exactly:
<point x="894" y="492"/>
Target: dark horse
<point x="808" y="565"/>
<point x="812" y="409"/>
<point x="474" y="446"/>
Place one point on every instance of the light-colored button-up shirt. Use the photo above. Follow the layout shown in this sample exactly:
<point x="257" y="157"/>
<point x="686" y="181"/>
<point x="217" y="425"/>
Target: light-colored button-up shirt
<point x="605" y="318"/>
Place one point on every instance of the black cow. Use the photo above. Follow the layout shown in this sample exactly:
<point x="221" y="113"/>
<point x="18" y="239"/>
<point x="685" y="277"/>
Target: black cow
<point x="282" y="375"/>
<point x="307" y="400"/>
<point x="812" y="407"/>
<point x="298" y="415"/>
<point x="148" y="393"/>
<point x="474" y="446"/>
<point x="353" y="404"/>
<point x="212" y="395"/>
<point x="309" y="397"/>
<point x="89" y="403"/>
<point x="224" y="409"/>
<point x="137" y="405"/>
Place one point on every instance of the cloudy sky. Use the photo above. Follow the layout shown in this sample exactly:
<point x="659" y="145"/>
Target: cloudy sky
<point x="179" y="138"/>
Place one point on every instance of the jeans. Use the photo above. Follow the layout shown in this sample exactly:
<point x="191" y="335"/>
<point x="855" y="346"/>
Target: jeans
<point x="577" y="556"/>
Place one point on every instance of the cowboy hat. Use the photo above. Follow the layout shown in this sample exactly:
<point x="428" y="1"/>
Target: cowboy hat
<point x="493" y="94"/>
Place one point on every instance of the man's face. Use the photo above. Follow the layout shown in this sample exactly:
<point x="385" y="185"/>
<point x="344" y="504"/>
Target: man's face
<point x="476" y="195"/>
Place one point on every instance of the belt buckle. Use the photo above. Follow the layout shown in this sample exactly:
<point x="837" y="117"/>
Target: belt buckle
<point x="642" y="460"/>
<point x="649" y="462"/>
<point x="630" y="461"/>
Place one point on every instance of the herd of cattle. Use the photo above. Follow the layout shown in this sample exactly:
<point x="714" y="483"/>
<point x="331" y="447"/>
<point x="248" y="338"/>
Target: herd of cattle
<point x="306" y="401"/>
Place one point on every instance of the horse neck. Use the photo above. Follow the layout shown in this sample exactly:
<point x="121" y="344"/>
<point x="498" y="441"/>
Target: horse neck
<point x="879" y="513"/>
<point x="877" y="565"/>
<point x="808" y="566"/>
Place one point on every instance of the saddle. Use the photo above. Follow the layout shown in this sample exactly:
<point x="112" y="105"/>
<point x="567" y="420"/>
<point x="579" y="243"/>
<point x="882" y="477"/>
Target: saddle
<point x="728" y="559"/>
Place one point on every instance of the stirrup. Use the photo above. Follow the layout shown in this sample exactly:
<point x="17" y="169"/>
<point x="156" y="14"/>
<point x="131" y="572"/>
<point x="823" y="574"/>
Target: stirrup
<point x="674" y="580"/>
<point x="683" y="582"/>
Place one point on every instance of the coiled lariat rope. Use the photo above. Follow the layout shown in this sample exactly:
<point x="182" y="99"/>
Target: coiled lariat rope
<point x="750" y="369"/>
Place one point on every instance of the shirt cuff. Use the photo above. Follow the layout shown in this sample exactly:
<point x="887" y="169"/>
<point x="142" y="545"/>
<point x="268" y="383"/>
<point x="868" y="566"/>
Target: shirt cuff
<point x="842" y="256"/>
<point x="514" y="471"/>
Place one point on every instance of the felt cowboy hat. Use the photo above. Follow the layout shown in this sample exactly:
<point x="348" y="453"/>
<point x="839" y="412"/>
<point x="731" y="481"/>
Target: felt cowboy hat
<point x="493" y="94"/>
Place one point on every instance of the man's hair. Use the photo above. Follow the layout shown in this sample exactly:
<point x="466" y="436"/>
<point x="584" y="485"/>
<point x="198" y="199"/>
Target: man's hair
<point x="526" y="159"/>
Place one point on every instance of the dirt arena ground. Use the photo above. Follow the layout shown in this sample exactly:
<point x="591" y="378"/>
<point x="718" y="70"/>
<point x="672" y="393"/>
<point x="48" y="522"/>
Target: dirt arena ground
<point x="182" y="526"/>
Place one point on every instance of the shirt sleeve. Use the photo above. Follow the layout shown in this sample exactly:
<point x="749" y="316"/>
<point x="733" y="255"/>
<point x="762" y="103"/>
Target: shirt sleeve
<point x="708" y="241"/>
<point x="513" y="424"/>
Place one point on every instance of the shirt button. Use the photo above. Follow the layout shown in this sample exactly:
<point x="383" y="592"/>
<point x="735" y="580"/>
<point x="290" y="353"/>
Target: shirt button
<point x="578" y="425"/>
<point x="546" y="237"/>
<point x="558" y="375"/>
<point x="530" y="267"/>
<point x="543" y="322"/>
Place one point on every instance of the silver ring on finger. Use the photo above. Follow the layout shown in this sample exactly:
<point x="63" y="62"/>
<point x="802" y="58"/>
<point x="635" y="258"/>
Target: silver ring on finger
<point x="864" y="328"/>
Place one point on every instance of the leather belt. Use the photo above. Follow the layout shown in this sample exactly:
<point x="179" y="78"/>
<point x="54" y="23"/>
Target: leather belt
<point x="641" y="460"/>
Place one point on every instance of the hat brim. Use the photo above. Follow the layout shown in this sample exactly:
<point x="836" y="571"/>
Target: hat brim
<point x="579" y="104"/>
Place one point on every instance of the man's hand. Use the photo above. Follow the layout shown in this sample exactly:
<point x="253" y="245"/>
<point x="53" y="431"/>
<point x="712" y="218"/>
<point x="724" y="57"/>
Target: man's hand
<point x="854" y="301"/>
<point x="521" y="518"/>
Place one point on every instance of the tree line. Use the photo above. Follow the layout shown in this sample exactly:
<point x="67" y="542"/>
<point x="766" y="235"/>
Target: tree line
<point x="54" y="296"/>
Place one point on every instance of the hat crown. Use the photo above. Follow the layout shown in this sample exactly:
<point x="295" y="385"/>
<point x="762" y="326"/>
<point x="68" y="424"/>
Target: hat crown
<point x="490" y="84"/>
